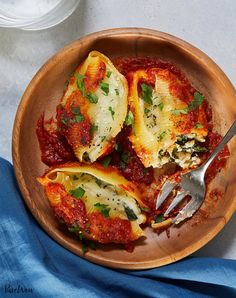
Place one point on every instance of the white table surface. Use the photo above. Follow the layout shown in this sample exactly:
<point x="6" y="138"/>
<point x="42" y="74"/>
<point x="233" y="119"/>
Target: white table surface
<point x="208" y="24"/>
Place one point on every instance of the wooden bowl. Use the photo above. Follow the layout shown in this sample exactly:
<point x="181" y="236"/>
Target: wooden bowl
<point x="45" y="91"/>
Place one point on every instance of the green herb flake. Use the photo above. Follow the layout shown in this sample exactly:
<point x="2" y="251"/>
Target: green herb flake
<point x="104" y="209"/>
<point x="196" y="102"/>
<point x="80" y="236"/>
<point x="104" y="87"/>
<point x="180" y="111"/>
<point x="63" y="120"/>
<point x="109" y="73"/>
<point x="125" y="158"/>
<point x="161" y="106"/>
<point x="80" y="82"/>
<point x="129" y="120"/>
<point x="74" y="229"/>
<point x="130" y="213"/>
<point x="79" y="118"/>
<point x="159" y="218"/>
<point x="162" y="135"/>
<point x="199" y="149"/>
<point x="117" y="92"/>
<point x="93" y="245"/>
<point x="93" y="98"/>
<point x="103" y="138"/>
<point x="76" y="110"/>
<point x="77" y="192"/>
<point x="118" y="147"/>
<point x="145" y="209"/>
<point x="112" y="112"/>
<point x="84" y="248"/>
<point x="94" y="128"/>
<point x="106" y="161"/>
<point x="146" y="111"/>
<point x="147" y="93"/>
<point x="74" y="177"/>
<point x="198" y="125"/>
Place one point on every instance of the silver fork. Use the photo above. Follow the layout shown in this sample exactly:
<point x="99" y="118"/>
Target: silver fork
<point x="192" y="184"/>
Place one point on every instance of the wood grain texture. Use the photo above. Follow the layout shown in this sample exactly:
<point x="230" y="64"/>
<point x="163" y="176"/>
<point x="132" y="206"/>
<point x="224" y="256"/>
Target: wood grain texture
<point x="43" y="94"/>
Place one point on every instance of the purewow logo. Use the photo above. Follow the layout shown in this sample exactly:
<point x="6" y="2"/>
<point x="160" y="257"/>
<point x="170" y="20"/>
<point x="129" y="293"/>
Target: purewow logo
<point x="17" y="289"/>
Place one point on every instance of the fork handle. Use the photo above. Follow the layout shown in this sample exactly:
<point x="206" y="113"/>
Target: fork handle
<point x="230" y="133"/>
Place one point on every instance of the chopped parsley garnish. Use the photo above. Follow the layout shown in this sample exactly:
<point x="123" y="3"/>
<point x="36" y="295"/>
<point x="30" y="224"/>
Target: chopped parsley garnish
<point x="94" y="128"/>
<point x="147" y="93"/>
<point x="129" y="120"/>
<point x="79" y="118"/>
<point x="106" y="161"/>
<point x="104" y="87"/>
<point x="146" y="111"/>
<point x="125" y="158"/>
<point x="77" y="192"/>
<point x="76" y="110"/>
<point x="161" y="106"/>
<point x="198" y="125"/>
<point x="112" y="112"/>
<point x="104" y="209"/>
<point x="159" y="218"/>
<point x="130" y="213"/>
<point x="199" y="149"/>
<point x="84" y="248"/>
<point x="118" y="147"/>
<point x="145" y="209"/>
<point x="80" y="82"/>
<point x="63" y="120"/>
<point x="109" y="73"/>
<point x="103" y="138"/>
<point x="195" y="103"/>
<point x="74" y="229"/>
<point x="117" y="92"/>
<point x="180" y="111"/>
<point x="162" y="135"/>
<point x="93" y="98"/>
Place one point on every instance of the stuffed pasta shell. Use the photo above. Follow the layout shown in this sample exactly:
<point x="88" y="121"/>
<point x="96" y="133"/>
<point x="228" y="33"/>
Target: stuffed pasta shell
<point x="93" y="108"/>
<point x="169" y="120"/>
<point x="96" y="202"/>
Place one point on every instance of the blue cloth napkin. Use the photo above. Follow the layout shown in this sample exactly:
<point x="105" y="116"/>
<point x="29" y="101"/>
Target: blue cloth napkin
<point x="34" y="265"/>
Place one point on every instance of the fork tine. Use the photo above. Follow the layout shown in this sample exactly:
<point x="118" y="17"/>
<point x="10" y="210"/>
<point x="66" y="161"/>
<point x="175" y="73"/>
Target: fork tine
<point x="192" y="206"/>
<point x="165" y="191"/>
<point x="179" y="197"/>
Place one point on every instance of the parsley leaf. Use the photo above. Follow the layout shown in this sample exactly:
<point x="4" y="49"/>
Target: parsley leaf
<point x="159" y="218"/>
<point x="106" y="161"/>
<point x="84" y="248"/>
<point x="109" y="73"/>
<point x="161" y="106"/>
<point x="104" y="209"/>
<point x="74" y="229"/>
<point x="162" y="135"/>
<point x="93" y="98"/>
<point x="98" y="182"/>
<point x="199" y="149"/>
<point x="196" y="102"/>
<point x="198" y="125"/>
<point x="125" y="158"/>
<point x="77" y="192"/>
<point x="117" y="92"/>
<point x="76" y="110"/>
<point x="180" y="111"/>
<point x="104" y="87"/>
<point x="129" y="120"/>
<point x="79" y="118"/>
<point x="94" y="128"/>
<point x="80" y="82"/>
<point x="112" y="112"/>
<point x="146" y="111"/>
<point x="147" y="93"/>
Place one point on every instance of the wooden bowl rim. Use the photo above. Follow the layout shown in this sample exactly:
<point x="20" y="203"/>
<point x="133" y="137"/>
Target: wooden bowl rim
<point x="195" y="54"/>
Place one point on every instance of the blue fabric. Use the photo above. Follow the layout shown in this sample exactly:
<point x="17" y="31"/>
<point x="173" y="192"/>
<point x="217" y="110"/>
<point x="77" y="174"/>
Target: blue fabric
<point x="36" y="266"/>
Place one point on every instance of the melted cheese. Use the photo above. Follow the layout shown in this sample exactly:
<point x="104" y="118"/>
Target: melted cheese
<point x="109" y="113"/>
<point x="157" y="128"/>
